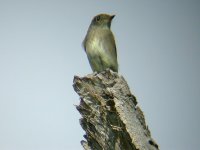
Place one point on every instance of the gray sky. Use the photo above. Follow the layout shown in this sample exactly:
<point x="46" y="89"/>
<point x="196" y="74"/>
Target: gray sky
<point x="158" y="44"/>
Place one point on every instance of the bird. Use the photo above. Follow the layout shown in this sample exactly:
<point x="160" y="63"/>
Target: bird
<point x="99" y="44"/>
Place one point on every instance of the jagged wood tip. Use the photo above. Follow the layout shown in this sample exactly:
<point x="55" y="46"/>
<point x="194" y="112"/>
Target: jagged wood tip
<point x="110" y="115"/>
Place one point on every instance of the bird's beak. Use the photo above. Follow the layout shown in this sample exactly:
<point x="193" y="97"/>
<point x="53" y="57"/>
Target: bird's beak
<point x="111" y="17"/>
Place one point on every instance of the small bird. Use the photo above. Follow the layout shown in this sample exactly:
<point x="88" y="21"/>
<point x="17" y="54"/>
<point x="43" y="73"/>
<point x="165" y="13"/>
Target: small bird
<point x="99" y="44"/>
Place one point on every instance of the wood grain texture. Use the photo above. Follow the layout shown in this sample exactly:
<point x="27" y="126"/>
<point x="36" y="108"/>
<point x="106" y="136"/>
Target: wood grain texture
<point x="110" y="115"/>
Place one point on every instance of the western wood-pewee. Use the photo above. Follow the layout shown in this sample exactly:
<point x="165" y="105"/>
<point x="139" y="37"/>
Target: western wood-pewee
<point x="99" y="44"/>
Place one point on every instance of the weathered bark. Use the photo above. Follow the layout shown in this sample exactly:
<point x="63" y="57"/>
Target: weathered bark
<point x="110" y="115"/>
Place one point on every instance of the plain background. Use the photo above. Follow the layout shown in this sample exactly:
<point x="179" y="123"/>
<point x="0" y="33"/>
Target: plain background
<point x="158" y="44"/>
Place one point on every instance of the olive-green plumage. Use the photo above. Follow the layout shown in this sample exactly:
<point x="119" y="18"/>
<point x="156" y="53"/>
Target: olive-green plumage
<point x="99" y="44"/>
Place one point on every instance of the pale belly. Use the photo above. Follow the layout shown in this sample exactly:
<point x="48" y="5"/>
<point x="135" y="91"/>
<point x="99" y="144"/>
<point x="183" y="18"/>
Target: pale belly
<point x="99" y="57"/>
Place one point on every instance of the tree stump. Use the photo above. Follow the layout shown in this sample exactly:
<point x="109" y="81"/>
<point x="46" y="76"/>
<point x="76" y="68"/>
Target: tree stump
<point x="110" y="115"/>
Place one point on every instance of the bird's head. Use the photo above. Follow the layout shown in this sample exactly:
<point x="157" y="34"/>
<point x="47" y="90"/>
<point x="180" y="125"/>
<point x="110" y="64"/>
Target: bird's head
<point x="103" y="20"/>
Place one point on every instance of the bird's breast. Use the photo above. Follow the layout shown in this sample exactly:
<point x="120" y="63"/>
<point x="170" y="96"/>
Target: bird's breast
<point x="94" y="45"/>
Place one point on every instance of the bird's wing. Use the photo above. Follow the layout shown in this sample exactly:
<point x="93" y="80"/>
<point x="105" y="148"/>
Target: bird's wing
<point x="110" y="46"/>
<point x="84" y="43"/>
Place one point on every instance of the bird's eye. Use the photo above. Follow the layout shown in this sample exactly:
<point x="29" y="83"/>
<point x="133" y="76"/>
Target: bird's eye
<point x="98" y="18"/>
